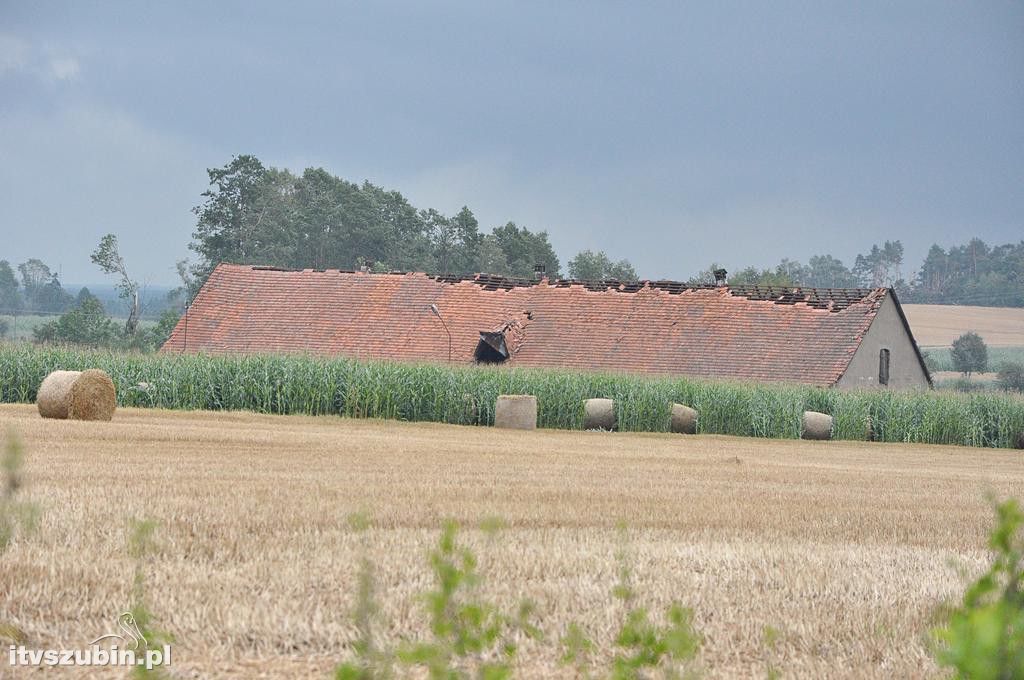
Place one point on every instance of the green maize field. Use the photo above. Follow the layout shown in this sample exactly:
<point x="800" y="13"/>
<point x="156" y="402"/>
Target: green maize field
<point x="466" y="395"/>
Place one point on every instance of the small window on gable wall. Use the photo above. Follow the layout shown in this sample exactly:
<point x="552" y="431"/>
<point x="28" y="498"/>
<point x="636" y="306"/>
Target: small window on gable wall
<point x="883" y="367"/>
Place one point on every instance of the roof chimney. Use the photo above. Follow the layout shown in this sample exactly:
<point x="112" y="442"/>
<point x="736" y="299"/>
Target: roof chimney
<point x="540" y="270"/>
<point x="720" y="275"/>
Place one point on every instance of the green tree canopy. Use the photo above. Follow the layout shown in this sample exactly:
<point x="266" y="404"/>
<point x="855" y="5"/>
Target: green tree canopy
<point x="591" y="266"/>
<point x="1011" y="377"/>
<point x="524" y="250"/>
<point x="10" y="296"/>
<point x="86" y="324"/>
<point x="490" y="257"/>
<point x="752" y="276"/>
<point x="455" y="241"/>
<point x="244" y="216"/>
<point x="252" y="214"/>
<point x="880" y="266"/>
<point x="108" y="257"/>
<point x="969" y="354"/>
<point x="825" y="271"/>
<point x="972" y="274"/>
<point x="38" y="289"/>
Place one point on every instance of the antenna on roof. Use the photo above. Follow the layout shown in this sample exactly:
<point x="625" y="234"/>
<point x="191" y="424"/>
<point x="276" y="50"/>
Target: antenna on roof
<point x="720" y="275"/>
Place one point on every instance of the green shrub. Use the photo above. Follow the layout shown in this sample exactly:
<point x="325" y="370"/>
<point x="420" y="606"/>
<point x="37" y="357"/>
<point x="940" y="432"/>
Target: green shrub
<point x="16" y="516"/>
<point x="984" y="637"/>
<point x="471" y="638"/>
<point x="140" y="546"/>
<point x="371" y="662"/>
<point x="643" y="645"/>
<point x="1011" y="377"/>
<point x="86" y="324"/>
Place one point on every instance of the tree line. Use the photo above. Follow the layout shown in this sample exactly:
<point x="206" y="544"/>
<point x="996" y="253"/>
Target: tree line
<point x="971" y="274"/>
<point x="253" y="214"/>
<point x="32" y="285"/>
<point x="258" y="215"/>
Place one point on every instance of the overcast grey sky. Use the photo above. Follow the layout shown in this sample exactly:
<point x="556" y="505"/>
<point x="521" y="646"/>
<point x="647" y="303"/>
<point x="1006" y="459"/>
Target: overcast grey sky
<point x="671" y="133"/>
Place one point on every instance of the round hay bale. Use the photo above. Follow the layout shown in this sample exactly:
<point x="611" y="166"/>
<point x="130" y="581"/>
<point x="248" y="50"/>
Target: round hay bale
<point x="599" y="414"/>
<point x="684" y="419"/>
<point x="54" y="397"/>
<point x="77" y="395"/>
<point x="817" y="426"/>
<point x="516" y="412"/>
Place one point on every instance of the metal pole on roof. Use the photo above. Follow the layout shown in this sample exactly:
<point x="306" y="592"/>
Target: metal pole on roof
<point x="437" y="313"/>
<point x="184" y="341"/>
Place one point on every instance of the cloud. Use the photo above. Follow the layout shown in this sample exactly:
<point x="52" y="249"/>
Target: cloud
<point x="64" y="68"/>
<point x="14" y="54"/>
<point x="48" y="63"/>
<point x="73" y="175"/>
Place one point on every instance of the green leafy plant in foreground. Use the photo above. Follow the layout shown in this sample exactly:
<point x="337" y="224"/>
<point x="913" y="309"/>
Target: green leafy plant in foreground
<point x="371" y="663"/>
<point x="577" y="649"/>
<point x="771" y="637"/>
<point x="471" y="638"/>
<point x="646" y="646"/>
<point x="15" y="515"/>
<point x="983" y="638"/>
<point x="140" y="545"/>
<point x="643" y="647"/>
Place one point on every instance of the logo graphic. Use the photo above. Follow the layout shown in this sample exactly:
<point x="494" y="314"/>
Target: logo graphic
<point x="128" y="647"/>
<point x="132" y="636"/>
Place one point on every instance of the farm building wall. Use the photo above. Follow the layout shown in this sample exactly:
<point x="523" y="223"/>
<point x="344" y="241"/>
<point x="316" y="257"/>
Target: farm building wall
<point x="886" y="332"/>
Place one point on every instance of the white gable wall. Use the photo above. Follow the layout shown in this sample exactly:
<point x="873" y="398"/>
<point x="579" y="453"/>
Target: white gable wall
<point x="885" y="332"/>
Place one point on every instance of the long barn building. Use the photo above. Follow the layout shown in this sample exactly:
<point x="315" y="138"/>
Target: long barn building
<point x="834" y="337"/>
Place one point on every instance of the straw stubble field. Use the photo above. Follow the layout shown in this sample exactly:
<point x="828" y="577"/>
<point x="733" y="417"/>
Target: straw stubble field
<point x="845" y="548"/>
<point x="940" y="325"/>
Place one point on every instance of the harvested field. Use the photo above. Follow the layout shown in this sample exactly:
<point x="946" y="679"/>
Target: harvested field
<point x="940" y="325"/>
<point x="844" y="547"/>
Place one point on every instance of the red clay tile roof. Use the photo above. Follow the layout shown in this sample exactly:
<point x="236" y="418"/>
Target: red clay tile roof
<point x="663" y="327"/>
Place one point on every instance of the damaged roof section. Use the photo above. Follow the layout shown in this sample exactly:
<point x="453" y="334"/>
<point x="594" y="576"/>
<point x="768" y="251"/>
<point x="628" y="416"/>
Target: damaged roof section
<point x="663" y="327"/>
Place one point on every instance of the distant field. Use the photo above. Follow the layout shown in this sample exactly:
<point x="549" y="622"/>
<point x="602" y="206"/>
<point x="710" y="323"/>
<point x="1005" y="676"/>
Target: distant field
<point x="20" y="327"/>
<point x="940" y="325"/>
<point x="845" y="548"/>
<point x="941" y="361"/>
